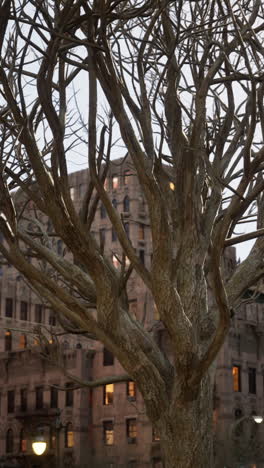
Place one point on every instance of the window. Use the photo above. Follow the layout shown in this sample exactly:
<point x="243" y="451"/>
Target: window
<point x="141" y="232"/>
<point x="236" y="371"/>
<point x="131" y="429"/>
<point x="114" y="235"/>
<point x="102" y="211"/>
<point x="22" y="441"/>
<point x="142" y="256"/>
<point x="9" y="441"/>
<point x="39" y="397"/>
<point x="72" y="193"/>
<point x="126" y="227"/>
<point x="38" y="313"/>
<point x="52" y="319"/>
<point x="52" y="438"/>
<point x="108" y="358"/>
<point x="108" y="395"/>
<point x="155" y="435"/>
<point x="114" y="182"/>
<point x="23" y="399"/>
<point x="9" y="307"/>
<point x="126" y="204"/>
<point x="22" y="341"/>
<point x="23" y="310"/>
<point x="53" y="397"/>
<point x="60" y="247"/>
<point x="252" y="380"/>
<point x="126" y="177"/>
<point x="131" y="390"/>
<point x="11" y="401"/>
<point x="69" y="395"/>
<point x="114" y="203"/>
<point x="8" y="340"/>
<point x="102" y="237"/>
<point x="69" y="436"/>
<point x="108" y="432"/>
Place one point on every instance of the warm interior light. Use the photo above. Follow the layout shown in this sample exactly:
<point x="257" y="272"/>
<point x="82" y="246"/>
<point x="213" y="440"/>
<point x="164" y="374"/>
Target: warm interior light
<point x="172" y="186"/>
<point x="257" y="419"/>
<point x="39" y="447"/>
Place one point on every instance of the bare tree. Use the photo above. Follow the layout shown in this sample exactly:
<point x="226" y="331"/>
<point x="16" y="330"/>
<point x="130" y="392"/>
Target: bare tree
<point x="182" y="81"/>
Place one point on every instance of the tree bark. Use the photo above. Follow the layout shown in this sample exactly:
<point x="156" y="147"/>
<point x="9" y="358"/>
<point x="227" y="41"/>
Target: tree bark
<point x="186" y="432"/>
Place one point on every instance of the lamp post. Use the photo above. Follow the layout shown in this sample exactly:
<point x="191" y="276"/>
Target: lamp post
<point x="39" y="444"/>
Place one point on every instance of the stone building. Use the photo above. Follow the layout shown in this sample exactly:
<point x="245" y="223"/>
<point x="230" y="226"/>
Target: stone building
<point x="107" y="426"/>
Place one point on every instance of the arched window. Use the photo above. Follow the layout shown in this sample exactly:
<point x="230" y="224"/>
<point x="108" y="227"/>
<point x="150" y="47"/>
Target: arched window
<point x="69" y="437"/>
<point x="8" y="340"/>
<point x="114" y="203"/>
<point x="9" y="441"/>
<point x="102" y="211"/>
<point x="126" y="204"/>
<point x="22" y="441"/>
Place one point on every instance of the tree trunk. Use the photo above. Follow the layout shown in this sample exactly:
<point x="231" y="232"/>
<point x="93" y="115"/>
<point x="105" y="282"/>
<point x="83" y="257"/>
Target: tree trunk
<point x="187" y="437"/>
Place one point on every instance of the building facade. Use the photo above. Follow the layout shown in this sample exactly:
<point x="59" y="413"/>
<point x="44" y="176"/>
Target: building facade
<point x="107" y="426"/>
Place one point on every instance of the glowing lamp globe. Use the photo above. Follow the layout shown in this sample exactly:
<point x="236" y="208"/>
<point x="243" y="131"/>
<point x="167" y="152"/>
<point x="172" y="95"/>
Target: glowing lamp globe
<point x="257" y="419"/>
<point x="39" y="446"/>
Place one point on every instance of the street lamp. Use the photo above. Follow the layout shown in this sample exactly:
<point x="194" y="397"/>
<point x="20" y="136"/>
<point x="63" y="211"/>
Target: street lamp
<point x="39" y="445"/>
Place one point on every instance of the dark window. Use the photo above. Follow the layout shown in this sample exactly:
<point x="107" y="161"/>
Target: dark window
<point x="22" y="441"/>
<point x="108" y="394"/>
<point x="69" y="395"/>
<point x="9" y="307"/>
<point x="142" y="256"/>
<point x="53" y="397"/>
<point x="131" y="429"/>
<point x="157" y="463"/>
<point x="108" y="432"/>
<point x="126" y="227"/>
<point x="38" y="313"/>
<point x="60" y="247"/>
<point x="114" y="203"/>
<point x="23" y="399"/>
<point x="8" y="340"/>
<point x="52" y="438"/>
<point x="131" y="390"/>
<point x="69" y="436"/>
<point x="108" y="358"/>
<point x="126" y="204"/>
<point x="252" y="380"/>
<point x="10" y="401"/>
<point x="52" y="319"/>
<point x="23" y="310"/>
<point x="155" y="435"/>
<point x="9" y="441"/>
<point x="132" y="464"/>
<point x="102" y="211"/>
<point x="39" y="397"/>
<point x="114" y="235"/>
<point x="102" y="237"/>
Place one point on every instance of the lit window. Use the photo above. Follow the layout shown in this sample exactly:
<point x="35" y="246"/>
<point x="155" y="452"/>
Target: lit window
<point x="69" y="436"/>
<point x="72" y="193"/>
<point x="127" y="175"/>
<point x="108" y="433"/>
<point x="236" y="378"/>
<point x="8" y="340"/>
<point x="114" y="182"/>
<point x="131" y="390"/>
<point x="22" y="342"/>
<point x="108" y="397"/>
<point x="172" y="186"/>
<point x="141" y="232"/>
<point x="115" y="261"/>
<point x="22" y="441"/>
<point x="131" y="427"/>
